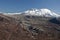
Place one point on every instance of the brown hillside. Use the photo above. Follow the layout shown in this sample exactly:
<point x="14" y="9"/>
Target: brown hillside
<point x="28" y="28"/>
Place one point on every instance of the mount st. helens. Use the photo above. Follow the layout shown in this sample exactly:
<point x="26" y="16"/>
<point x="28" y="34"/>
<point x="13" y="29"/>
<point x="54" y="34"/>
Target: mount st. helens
<point x="37" y="12"/>
<point x="33" y="24"/>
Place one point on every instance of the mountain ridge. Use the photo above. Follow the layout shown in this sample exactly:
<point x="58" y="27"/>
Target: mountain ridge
<point x="41" y="12"/>
<point x="36" y="12"/>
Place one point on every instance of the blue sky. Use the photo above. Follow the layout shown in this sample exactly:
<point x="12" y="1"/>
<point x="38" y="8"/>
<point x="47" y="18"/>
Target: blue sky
<point x="22" y="5"/>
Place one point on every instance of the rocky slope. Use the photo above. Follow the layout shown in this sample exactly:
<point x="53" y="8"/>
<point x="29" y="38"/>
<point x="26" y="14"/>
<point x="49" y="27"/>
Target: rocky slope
<point x="25" y="27"/>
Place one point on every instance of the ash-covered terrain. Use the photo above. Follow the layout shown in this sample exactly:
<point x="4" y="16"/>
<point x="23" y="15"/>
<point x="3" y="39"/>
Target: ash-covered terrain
<point x="30" y="25"/>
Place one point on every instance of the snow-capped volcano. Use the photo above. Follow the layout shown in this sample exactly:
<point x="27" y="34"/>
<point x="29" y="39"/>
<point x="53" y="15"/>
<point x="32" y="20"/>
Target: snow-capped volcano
<point x="37" y="12"/>
<point x="41" y="12"/>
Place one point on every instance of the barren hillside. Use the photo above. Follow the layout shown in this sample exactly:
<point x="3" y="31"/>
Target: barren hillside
<point x="21" y="27"/>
